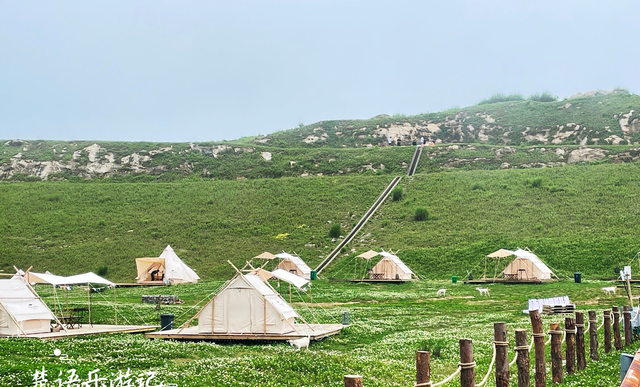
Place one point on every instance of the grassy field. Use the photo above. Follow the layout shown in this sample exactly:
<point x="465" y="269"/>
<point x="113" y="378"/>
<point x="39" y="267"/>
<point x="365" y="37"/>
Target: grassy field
<point x="388" y="324"/>
<point x="576" y="218"/>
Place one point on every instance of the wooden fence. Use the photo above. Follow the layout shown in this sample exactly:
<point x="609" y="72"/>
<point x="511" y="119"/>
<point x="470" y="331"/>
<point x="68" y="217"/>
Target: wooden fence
<point x="575" y="352"/>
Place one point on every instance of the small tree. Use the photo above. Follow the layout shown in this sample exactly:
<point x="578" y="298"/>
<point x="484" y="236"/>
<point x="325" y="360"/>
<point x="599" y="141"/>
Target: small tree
<point x="335" y="231"/>
<point x="396" y="194"/>
<point x="421" y="214"/>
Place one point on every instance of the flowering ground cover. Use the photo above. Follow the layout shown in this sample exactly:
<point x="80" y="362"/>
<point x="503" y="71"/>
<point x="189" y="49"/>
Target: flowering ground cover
<point x="388" y="324"/>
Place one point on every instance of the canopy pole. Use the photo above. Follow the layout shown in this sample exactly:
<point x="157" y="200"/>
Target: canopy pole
<point x="89" y="296"/>
<point x="115" y="309"/>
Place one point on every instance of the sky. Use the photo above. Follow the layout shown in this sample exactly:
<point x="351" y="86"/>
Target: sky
<point x="181" y="71"/>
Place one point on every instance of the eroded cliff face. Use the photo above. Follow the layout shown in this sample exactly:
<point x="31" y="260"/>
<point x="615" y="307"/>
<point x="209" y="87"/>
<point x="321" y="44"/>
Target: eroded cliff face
<point x="102" y="160"/>
<point x="96" y="161"/>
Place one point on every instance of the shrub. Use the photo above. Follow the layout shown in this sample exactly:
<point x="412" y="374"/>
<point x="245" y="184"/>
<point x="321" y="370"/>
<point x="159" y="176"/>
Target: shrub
<point x="335" y="231"/>
<point x="396" y="194"/>
<point x="536" y="183"/>
<point x="501" y="97"/>
<point x="102" y="271"/>
<point x="421" y="214"/>
<point x="544" y="97"/>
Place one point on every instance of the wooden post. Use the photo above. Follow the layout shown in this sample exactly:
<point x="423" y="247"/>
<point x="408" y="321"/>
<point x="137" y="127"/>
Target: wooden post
<point x="468" y="371"/>
<point x="617" y="339"/>
<point x="556" y="353"/>
<point x="423" y="367"/>
<point x="580" y="355"/>
<point x="607" y="331"/>
<point x="570" y="354"/>
<point x="522" y="351"/>
<point x="502" y="357"/>
<point x="593" y="335"/>
<point x="626" y="316"/>
<point x="538" y="341"/>
<point x="352" y="381"/>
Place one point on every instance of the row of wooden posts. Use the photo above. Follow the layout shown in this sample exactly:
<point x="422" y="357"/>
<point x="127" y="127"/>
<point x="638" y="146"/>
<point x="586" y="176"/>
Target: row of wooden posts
<point x="574" y="350"/>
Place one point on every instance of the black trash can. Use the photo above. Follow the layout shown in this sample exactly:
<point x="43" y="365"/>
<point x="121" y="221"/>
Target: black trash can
<point x="346" y="318"/>
<point x="577" y="277"/>
<point x="166" y="322"/>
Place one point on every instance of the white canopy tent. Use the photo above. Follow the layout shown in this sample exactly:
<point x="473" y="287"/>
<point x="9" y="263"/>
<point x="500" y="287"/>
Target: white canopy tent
<point x="77" y="279"/>
<point x="22" y="311"/>
<point x="247" y="305"/>
<point x="167" y="268"/>
<point x="294" y="265"/>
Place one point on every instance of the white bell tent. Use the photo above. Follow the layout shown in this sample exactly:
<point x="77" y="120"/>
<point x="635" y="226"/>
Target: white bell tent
<point x="527" y="266"/>
<point x="167" y="268"/>
<point x="390" y="267"/>
<point x="247" y="305"/>
<point x="22" y="312"/>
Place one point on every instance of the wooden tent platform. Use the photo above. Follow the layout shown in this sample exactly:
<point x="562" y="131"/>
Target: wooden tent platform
<point x="87" y="330"/>
<point x="506" y="281"/>
<point x="143" y="283"/>
<point x="314" y="331"/>
<point x="381" y="281"/>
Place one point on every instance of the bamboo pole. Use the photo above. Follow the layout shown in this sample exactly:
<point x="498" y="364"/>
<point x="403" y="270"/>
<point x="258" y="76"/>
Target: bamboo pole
<point x="502" y="357"/>
<point x="556" y="353"/>
<point x="570" y="349"/>
<point x="467" y="365"/>
<point x="522" y="352"/>
<point x="423" y="368"/>
<point x="580" y="354"/>
<point x="593" y="335"/>
<point x="626" y="314"/>
<point x="607" y="331"/>
<point x="617" y="339"/>
<point x="538" y="340"/>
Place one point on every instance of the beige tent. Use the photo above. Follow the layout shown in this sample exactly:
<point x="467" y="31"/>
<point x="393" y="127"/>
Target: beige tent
<point x="390" y="267"/>
<point x="247" y="305"/>
<point x="527" y="266"/>
<point x="167" y="268"/>
<point x="21" y="311"/>
<point x="294" y="264"/>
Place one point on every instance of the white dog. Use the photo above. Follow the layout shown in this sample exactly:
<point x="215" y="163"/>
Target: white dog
<point x="483" y="291"/>
<point x="302" y="342"/>
<point x="609" y="290"/>
<point x="441" y="292"/>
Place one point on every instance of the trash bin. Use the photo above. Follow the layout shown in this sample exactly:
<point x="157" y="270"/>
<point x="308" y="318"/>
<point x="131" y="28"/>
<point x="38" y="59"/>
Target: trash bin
<point x="454" y="279"/>
<point x="166" y="322"/>
<point x="625" y="362"/>
<point x="346" y="318"/>
<point x="314" y="275"/>
<point x="577" y="277"/>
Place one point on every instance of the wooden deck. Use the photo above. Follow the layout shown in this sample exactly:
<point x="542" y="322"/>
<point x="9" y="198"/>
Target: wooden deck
<point x="87" y="329"/>
<point x="506" y="281"/>
<point x="143" y="283"/>
<point x="381" y="281"/>
<point x="314" y="331"/>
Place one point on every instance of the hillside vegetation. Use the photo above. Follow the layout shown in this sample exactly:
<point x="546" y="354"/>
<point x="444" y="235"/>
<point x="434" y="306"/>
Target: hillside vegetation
<point x="607" y="127"/>
<point x="576" y="218"/>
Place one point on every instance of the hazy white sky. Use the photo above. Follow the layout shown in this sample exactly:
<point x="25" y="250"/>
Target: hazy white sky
<point x="211" y="70"/>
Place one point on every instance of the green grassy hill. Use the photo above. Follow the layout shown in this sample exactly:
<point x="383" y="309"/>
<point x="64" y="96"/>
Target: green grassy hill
<point x="576" y="218"/>
<point x="595" y="120"/>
